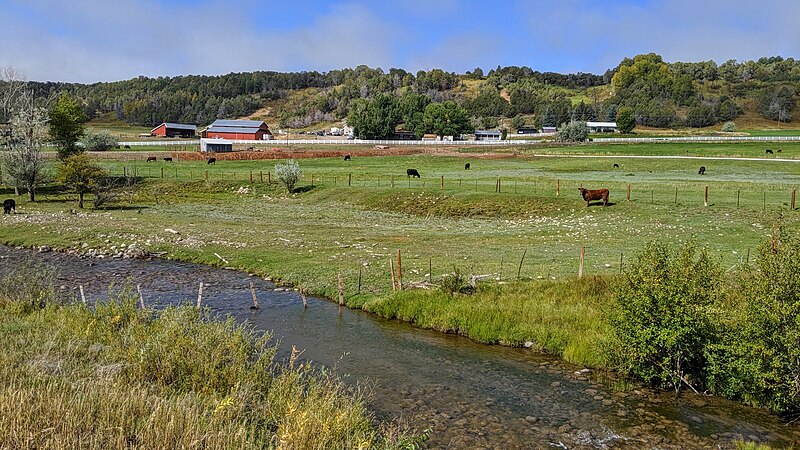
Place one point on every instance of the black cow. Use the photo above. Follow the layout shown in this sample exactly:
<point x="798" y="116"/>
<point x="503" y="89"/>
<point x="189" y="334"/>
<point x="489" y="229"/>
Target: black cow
<point x="212" y="161"/>
<point x="466" y="166"/>
<point x="702" y="170"/>
<point x="9" y="205"/>
<point x="151" y="159"/>
<point x="347" y="157"/>
<point x="616" y="166"/>
<point x="167" y="159"/>
<point x="412" y="173"/>
<point x="779" y="150"/>
<point x="769" y="152"/>
<point x="128" y="147"/>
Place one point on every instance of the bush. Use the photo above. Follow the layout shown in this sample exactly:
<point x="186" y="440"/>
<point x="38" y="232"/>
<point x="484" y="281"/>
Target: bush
<point x="662" y="322"/>
<point x="729" y="127"/>
<point x="288" y="173"/>
<point x="455" y="282"/>
<point x="574" y="131"/>
<point x="99" y="142"/>
<point x="626" y="120"/>
<point x="27" y="286"/>
<point x="760" y="362"/>
<point x="700" y="116"/>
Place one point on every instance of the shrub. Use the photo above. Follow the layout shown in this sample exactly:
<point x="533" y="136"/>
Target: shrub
<point x="662" y="322"/>
<point x="574" y="131"/>
<point x="99" y="142"/>
<point x="729" y="127"/>
<point x="626" y="120"/>
<point x="455" y="282"/>
<point x="27" y="286"/>
<point x="288" y="173"/>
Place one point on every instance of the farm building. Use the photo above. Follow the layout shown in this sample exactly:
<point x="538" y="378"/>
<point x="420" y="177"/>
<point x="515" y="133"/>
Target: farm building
<point x="167" y="129"/>
<point x="249" y="130"/>
<point x="401" y="135"/>
<point x="601" y="127"/>
<point x="431" y="137"/>
<point x="215" y="145"/>
<point x="487" y="135"/>
<point x="527" y="130"/>
<point x="548" y="129"/>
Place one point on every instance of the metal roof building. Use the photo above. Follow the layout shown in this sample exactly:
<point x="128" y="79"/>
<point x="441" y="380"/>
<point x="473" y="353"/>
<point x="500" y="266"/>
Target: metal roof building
<point x="250" y="130"/>
<point x="168" y="129"/>
<point x="601" y="127"/>
<point x="215" y="145"/>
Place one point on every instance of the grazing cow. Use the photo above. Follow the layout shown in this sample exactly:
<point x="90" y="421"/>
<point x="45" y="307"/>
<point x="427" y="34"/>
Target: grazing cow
<point x="780" y="150"/>
<point x="347" y="157"/>
<point x="616" y="166"/>
<point x="594" y="194"/>
<point x="151" y="159"/>
<point x="702" y="170"/>
<point x="128" y="147"/>
<point x="168" y="159"/>
<point x="9" y="205"/>
<point x="466" y="166"/>
<point x="769" y="152"/>
<point x="212" y="161"/>
<point x="412" y="173"/>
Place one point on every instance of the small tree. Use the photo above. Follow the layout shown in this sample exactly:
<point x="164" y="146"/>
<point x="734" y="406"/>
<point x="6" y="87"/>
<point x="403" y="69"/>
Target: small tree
<point x="67" y="119"/>
<point x="99" y="142"/>
<point x="626" y="120"/>
<point x="503" y="134"/>
<point x="663" y="323"/>
<point x="22" y="159"/>
<point x="81" y="174"/>
<point x="288" y="173"/>
<point x="729" y="127"/>
<point x="574" y="131"/>
<point x="518" y="122"/>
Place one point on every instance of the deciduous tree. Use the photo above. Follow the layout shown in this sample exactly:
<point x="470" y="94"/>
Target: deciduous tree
<point x="67" y="119"/>
<point x="80" y="174"/>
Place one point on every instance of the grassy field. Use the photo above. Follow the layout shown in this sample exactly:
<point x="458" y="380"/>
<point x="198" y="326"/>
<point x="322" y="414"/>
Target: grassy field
<point x="116" y="376"/>
<point x="330" y="227"/>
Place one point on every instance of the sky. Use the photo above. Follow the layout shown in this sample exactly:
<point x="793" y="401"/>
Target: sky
<point x="105" y="40"/>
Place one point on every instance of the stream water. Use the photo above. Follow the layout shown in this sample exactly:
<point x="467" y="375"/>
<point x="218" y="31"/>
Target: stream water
<point x="470" y="395"/>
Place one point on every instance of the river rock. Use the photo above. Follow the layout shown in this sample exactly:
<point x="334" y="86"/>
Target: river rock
<point x="531" y="419"/>
<point x="528" y="344"/>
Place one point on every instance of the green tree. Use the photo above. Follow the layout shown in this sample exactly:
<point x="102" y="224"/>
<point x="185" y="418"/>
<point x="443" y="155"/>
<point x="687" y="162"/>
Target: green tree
<point x="518" y="122"/>
<point x="374" y="119"/>
<point x="575" y="131"/>
<point x="67" y="119"/>
<point x="100" y="141"/>
<point x="700" y="116"/>
<point x="288" y="173"/>
<point x="446" y="119"/>
<point x="662" y="322"/>
<point x="626" y="120"/>
<point x="80" y="174"/>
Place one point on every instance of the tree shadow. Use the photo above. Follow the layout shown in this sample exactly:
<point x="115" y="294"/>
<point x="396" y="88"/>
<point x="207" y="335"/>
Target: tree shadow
<point x="303" y="189"/>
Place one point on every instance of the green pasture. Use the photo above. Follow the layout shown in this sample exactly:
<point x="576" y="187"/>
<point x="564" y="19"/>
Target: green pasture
<point x="354" y="217"/>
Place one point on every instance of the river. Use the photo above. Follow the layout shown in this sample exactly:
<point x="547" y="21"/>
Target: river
<point x="470" y="395"/>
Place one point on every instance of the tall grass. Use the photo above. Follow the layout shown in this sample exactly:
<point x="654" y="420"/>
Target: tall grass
<point x="120" y="377"/>
<point x="563" y="318"/>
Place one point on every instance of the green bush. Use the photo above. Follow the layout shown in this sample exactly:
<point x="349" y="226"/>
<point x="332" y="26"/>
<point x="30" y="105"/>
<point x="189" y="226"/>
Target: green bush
<point x="662" y="322"/>
<point x="729" y="127"/>
<point x="575" y="131"/>
<point x="99" y="142"/>
<point x="288" y="173"/>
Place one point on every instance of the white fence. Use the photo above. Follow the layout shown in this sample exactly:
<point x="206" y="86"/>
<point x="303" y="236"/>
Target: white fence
<point x="280" y="142"/>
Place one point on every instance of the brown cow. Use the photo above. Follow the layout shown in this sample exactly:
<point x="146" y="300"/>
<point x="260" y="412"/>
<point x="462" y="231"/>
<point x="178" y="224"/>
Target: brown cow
<point x="151" y="159"/>
<point x="594" y="194"/>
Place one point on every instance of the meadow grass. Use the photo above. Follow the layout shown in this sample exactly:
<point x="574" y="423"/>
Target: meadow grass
<point x="115" y="376"/>
<point x="307" y="238"/>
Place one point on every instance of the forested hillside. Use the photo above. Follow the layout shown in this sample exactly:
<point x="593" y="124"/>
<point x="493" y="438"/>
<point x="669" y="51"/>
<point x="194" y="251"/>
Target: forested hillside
<point x="659" y="94"/>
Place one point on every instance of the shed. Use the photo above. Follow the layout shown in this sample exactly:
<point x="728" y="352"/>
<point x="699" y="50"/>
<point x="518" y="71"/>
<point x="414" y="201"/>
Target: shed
<point x="250" y="130"/>
<point x="527" y="130"/>
<point x="487" y="135"/>
<point x="548" y="129"/>
<point x="601" y="127"/>
<point x="215" y="145"/>
<point x="168" y="129"/>
<point x="431" y="137"/>
<point x="401" y="135"/>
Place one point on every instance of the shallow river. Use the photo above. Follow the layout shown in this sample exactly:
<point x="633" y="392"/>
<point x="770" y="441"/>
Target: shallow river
<point x="470" y="395"/>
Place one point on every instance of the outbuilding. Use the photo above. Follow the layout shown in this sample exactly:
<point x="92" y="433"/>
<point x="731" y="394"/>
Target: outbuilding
<point x="215" y="145"/>
<point x="247" y="130"/>
<point x="487" y="135"/>
<point x="168" y="129"/>
<point x="548" y="129"/>
<point x="601" y="127"/>
<point x="527" y="130"/>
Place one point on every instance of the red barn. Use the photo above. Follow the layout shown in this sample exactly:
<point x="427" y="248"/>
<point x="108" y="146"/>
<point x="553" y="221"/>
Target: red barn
<point x="238" y="130"/>
<point x="167" y="129"/>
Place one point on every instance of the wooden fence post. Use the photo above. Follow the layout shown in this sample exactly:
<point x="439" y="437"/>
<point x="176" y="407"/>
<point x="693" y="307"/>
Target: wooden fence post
<point x="620" y="263"/>
<point x="391" y="271"/>
<point x="162" y="172"/>
<point x="358" y="291"/>
<point x="261" y="176"/>
<point x="519" y="269"/>
<point x="676" y="196"/>
<point x="430" y="269"/>
<point x="442" y="181"/>
<point x="349" y="179"/>
<point x="200" y="295"/>
<point x="253" y="294"/>
<point x="341" y="289"/>
<point x="141" y="297"/>
<point x="629" y="192"/>
<point x="737" y="197"/>
<point x="399" y="271"/>
<point x="558" y="188"/>
<point x="580" y="263"/>
<point x="392" y="180"/>
<point x="269" y="177"/>
<point x="705" y="196"/>
<point x="765" y="200"/>
<point x="793" y="196"/>
<point x="83" y="297"/>
<point x="251" y="177"/>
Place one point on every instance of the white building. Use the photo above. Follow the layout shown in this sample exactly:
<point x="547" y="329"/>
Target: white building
<point x="601" y="127"/>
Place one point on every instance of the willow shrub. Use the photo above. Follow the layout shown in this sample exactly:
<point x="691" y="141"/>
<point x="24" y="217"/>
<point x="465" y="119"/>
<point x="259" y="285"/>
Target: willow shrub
<point x="662" y="320"/>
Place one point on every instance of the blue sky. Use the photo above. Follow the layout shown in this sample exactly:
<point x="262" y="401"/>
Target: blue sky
<point x="105" y="40"/>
